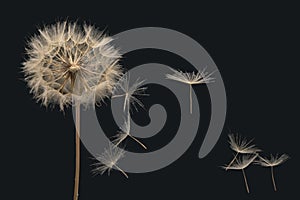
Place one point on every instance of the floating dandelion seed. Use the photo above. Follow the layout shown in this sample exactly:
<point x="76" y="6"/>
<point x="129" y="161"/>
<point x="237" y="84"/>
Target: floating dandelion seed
<point x="241" y="146"/>
<point x="65" y="62"/>
<point x="272" y="162"/>
<point x="241" y="164"/>
<point x="193" y="78"/>
<point x="130" y="93"/>
<point x="124" y="133"/>
<point x="109" y="159"/>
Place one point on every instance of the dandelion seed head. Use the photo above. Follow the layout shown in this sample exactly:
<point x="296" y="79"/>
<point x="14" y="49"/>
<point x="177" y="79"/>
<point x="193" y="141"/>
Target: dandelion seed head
<point x="108" y="159"/>
<point x="242" y="162"/>
<point x="66" y="60"/>
<point x="241" y="145"/>
<point x="273" y="160"/>
<point x="191" y="78"/>
<point x="130" y="91"/>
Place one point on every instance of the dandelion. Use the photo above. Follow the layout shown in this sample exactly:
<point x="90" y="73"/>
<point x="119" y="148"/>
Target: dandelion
<point x="241" y="146"/>
<point x="130" y="93"/>
<point x="272" y="162"/>
<point x="67" y="61"/>
<point x="109" y="159"/>
<point x="241" y="164"/>
<point x="193" y="78"/>
<point x="124" y="133"/>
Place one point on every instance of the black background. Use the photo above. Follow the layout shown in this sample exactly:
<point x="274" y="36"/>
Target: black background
<point x="256" y="49"/>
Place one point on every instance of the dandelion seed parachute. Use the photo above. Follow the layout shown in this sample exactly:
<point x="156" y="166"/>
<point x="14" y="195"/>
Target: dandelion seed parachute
<point x="241" y="145"/>
<point x="242" y="162"/>
<point x="124" y="133"/>
<point x="66" y="60"/>
<point x="109" y="159"/>
<point x="193" y="78"/>
<point x="130" y="92"/>
<point x="273" y="161"/>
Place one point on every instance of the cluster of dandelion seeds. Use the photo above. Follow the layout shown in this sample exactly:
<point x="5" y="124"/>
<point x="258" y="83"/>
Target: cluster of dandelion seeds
<point x="66" y="60"/>
<point x="111" y="155"/>
<point x="241" y="146"/>
<point x="130" y="93"/>
<point x="246" y="154"/>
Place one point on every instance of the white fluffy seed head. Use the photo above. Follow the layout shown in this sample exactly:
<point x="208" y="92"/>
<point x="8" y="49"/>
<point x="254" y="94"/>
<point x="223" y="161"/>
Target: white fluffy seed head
<point x="241" y="145"/>
<point x="273" y="160"/>
<point x="130" y="92"/>
<point x="108" y="159"/>
<point x="66" y="60"/>
<point x="193" y="78"/>
<point x="242" y="162"/>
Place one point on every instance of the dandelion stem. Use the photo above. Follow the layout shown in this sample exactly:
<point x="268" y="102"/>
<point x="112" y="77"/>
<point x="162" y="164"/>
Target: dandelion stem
<point x="273" y="180"/>
<point x="191" y="100"/>
<point x="232" y="161"/>
<point x="128" y="115"/>
<point x="119" y="95"/>
<point x="245" y="179"/>
<point x="121" y="171"/>
<point x="77" y="167"/>
<point x="137" y="141"/>
<point x="126" y="101"/>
